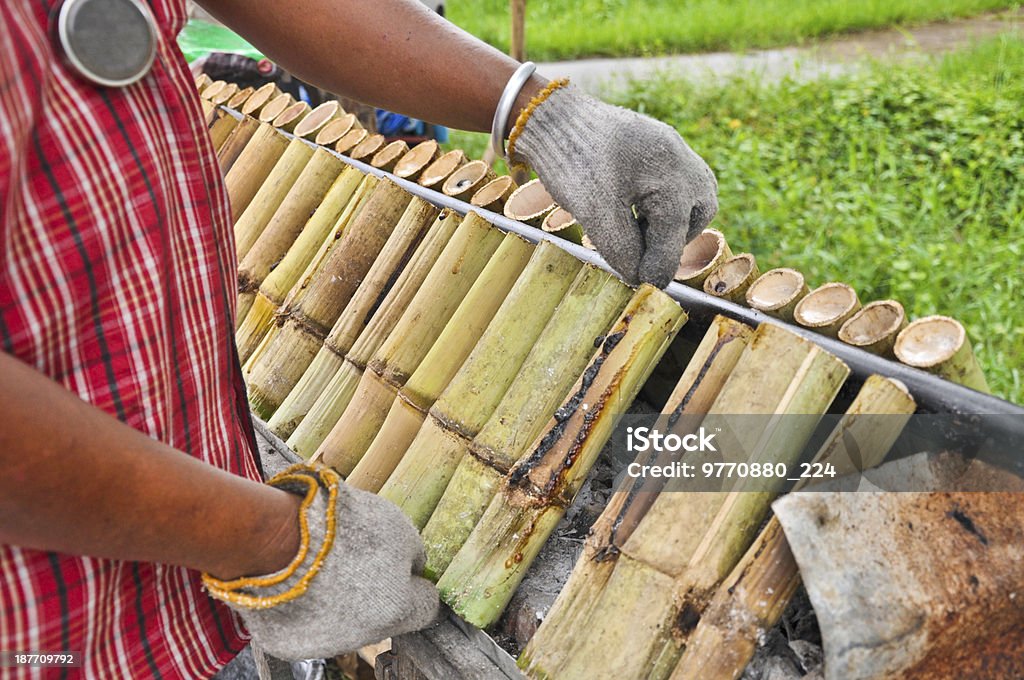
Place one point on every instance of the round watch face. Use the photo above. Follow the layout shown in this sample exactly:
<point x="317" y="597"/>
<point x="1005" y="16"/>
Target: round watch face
<point x="109" y="42"/>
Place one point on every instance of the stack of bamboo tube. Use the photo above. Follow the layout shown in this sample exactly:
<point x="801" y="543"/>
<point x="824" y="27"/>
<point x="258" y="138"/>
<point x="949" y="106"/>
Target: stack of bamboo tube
<point x="473" y="378"/>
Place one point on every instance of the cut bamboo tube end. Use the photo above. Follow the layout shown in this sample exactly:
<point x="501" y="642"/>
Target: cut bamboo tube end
<point x="275" y="107"/>
<point x="203" y="81"/>
<point x="412" y="164"/>
<point x="226" y="93"/>
<point x="213" y="89"/>
<point x="365" y="149"/>
<point x="732" y="278"/>
<point x="315" y="120"/>
<point x="939" y="344"/>
<point x="258" y="99"/>
<point x="492" y="196"/>
<point x="290" y="117"/>
<point x="826" y="308"/>
<point x="334" y="130"/>
<point x="387" y="157"/>
<point x="874" y="328"/>
<point x="350" y="140"/>
<point x="563" y="225"/>
<point x="777" y="292"/>
<point x="529" y="204"/>
<point x="701" y="256"/>
<point x="465" y="181"/>
<point x="438" y="171"/>
<point x="240" y="97"/>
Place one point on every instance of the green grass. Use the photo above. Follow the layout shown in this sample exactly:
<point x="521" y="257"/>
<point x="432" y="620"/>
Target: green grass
<point x="566" y="29"/>
<point x="904" y="182"/>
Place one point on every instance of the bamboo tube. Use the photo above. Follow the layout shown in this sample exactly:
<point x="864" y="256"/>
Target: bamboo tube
<point x="323" y="230"/>
<point x="556" y="361"/>
<point x="401" y="352"/>
<point x="209" y="111"/>
<point x="225" y="93"/>
<point x="874" y="328"/>
<point x="411" y="165"/>
<point x="492" y="196"/>
<point x="434" y="175"/>
<point x="332" y="401"/>
<point x="315" y="120"/>
<point x="335" y="129"/>
<point x="239" y="98"/>
<point x="364" y="150"/>
<point x="529" y="204"/>
<point x="203" y="81"/>
<point x="213" y="89"/>
<point x="752" y="599"/>
<point x="465" y="181"/>
<point x="258" y="99"/>
<point x="939" y="344"/>
<point x="279" y="182"/>
<point x="228" y="152"/>
<point x="702" y="380"/>
<point x="563" y="225"/>
<point x="460" y="335"/>
<point x="301" y="201"/>
<point x="290" y="117"/>
<point x="466" y="402"/>
<point x="222" y="129"/>
<point x="350" y="140"/>
<point x="826" y="308"/>
<point x="701" y="256"/>
<point x="384" y="271"/>
<point x="386" y="158"/>
<point x="732" y="278"/>
<point x="293" y="347"/>
<point x="252" y="167"/>
<point x="777" y="292"/>
<point x="275" y="107"/>
<point x="687" y="543"/>
<point x="486" y="571"/>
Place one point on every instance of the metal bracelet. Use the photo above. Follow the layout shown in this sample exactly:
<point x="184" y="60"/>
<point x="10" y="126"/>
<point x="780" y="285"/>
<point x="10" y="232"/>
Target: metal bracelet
<point x="505" y="104"/>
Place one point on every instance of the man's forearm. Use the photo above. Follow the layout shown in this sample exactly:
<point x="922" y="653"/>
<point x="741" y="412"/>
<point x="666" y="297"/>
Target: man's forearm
<point x="395" y="54"/>
<point x="74" y="479"/>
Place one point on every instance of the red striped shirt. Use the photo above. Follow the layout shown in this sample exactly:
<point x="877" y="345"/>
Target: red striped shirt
<point x="117" y="280"/>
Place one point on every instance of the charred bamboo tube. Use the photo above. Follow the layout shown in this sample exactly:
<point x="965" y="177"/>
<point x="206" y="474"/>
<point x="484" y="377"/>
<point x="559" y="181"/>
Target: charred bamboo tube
<point x="556" y="361"/>
<point x="732" y="278"/>
<point x="874" y="328"/>
<point x="335" y="129"/>
<point x="364" y="150"/>
<point x="252" y="167"/>
<point x="386" y="269"/>
<point x="465" y="181"/>
<point x="411" y="165"/>
<point x="351" y="140"/>
<point x="687" y="543"/>
<point x="315" y="120"/>
<point x="826" y="308"/>
<point x="492" y="196"/>
<point x="228" y="152"/>
<point x="332" y="401"/>
<point x="213" y="89"/>
<point x="222" y="129"/>
<point x="305" y="195"/>
<point x="275" y="372"/>
<point x="387" y="157"/>
<point x="323" y="230"/>
<point x="939" y="344"/>
<point x="275" y="107"/>
<point x="292" y="116"/>
<point x="751" y="601"/>
<point x="530" y="204"/>
<point x="398" y="356"/>
<point x="434" y="175"/>
<point x="466" y="402"/>
<point x="258" y="99"/>
<point x="486" y="571"/>
<point x="226" y="93"/>
<point x="777" y="292"/>
<point x="265" y="203"/>
<point x="563" y="225"/>
<point x="446" y="356"/>
<point x="240" y="97"/>
<point x="203" y="81"/>
<point x="701" y="256"/>
<point x="698" y="387"/>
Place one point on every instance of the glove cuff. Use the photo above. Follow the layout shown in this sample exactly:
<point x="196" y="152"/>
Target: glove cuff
<point x="317" y="518"/>
<point x="527" y="113"/>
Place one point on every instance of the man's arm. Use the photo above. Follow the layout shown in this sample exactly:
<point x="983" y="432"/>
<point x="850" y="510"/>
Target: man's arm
<point x="76" y="480"/>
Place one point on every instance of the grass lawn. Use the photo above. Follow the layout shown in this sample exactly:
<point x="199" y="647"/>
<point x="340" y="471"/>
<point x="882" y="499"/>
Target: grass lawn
<point x="905" y="183"/>
<point x="566" y="29"/>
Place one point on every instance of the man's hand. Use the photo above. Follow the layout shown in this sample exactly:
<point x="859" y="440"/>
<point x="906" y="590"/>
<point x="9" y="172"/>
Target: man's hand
<point x="355" y="580"/>
<point x="636" y="187"/>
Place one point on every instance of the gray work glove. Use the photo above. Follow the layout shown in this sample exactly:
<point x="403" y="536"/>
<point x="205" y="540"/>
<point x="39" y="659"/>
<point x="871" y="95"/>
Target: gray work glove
<point x="600" y="161"/>
<point x="358" y="582"/>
